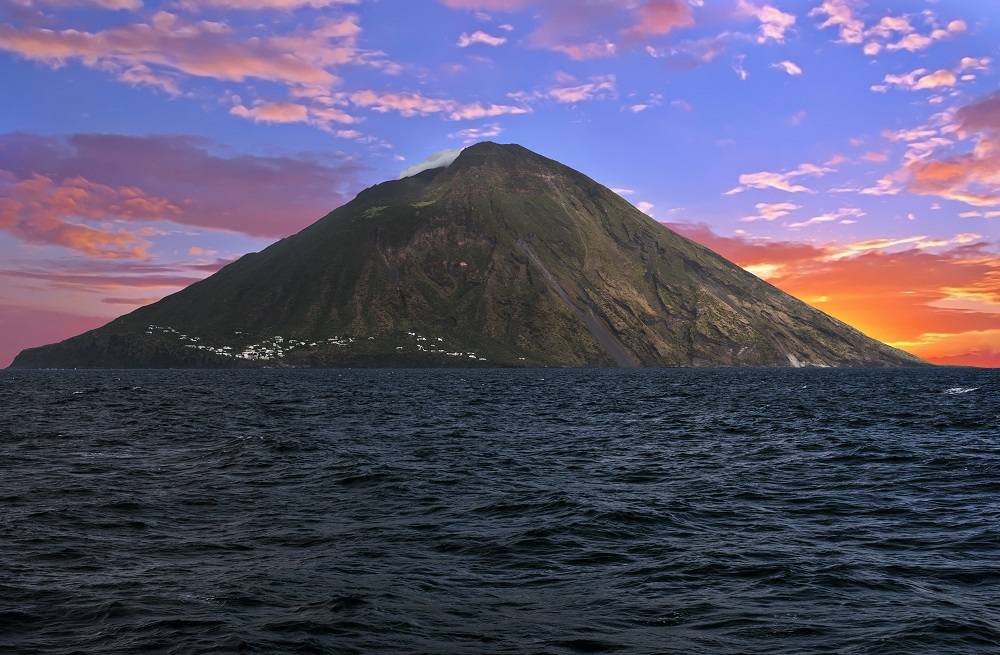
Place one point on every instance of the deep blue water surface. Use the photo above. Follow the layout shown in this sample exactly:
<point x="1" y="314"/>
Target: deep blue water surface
<point x="527" y="511"/>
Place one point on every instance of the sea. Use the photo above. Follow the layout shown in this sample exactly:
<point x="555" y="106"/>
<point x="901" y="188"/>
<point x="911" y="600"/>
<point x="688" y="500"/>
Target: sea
<point x="783" y="511"/>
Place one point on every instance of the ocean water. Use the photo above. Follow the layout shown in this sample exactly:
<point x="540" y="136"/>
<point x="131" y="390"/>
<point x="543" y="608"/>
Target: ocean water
<point x="500" y="511"/>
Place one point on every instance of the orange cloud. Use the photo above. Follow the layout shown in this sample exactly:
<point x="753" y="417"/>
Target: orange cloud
<point x="41" y="211"/>
<point x="972" y="177"/>
<point x="937" y="298"/>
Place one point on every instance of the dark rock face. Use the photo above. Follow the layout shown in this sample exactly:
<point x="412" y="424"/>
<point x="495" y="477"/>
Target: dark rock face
<point x="505" y="258"/>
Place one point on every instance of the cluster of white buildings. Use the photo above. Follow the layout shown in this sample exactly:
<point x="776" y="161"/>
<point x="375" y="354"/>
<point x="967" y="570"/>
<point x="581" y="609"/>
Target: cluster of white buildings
<point x="278" y="346"/>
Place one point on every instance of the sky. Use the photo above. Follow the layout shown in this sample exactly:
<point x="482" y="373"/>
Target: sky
<point x="846" y="151"/>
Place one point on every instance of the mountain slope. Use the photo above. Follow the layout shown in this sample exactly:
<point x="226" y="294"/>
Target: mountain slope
<point x="503" y="258"/>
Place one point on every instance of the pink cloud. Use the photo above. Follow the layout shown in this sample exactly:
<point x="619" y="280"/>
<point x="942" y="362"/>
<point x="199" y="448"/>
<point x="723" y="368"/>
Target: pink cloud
<point x="476" y="110"/>
<point x="260" y="5"/>
<point x="981" y="115"/>
<point x="41" y="211"/>
<point x="128" y="5"/>
<point x="589" y="30"/>
<point x="661" y="16"/>
<point x="840" y="14"/>
<point x="465" y="40"/>
<point x="408" y="104"/>
<point x="167" y="48"/>
<point x="175" y="178"/>
<point x="597" y="88"/>
<point x="972" y="177"/>
<point x="773" y="22"/>
<point x="488" y="5"/>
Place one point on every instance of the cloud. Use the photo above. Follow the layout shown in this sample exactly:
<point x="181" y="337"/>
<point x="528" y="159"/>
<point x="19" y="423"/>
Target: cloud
<point x="980" y="116"/>
<point x="937" y="79"/>
<point x="168" y="177"/>
<point x="972" y="177"/>
<point x="169" y="50"/>
<point x="127" y="5"/>
<point x="42" y="211"/>
<point x="888" y="26"/>
<point x="917" y="80"/>
<point x="789" y="67"/>
<point x="592" y="30"/>
<point x="474" y="134"/>
<point x="273" y="112"/>
<point x="260" y="5"/>
<point x="738" y="66"/>
<point x="409" y="104"/>
<point x="488" y="5"/>
<point x="476" y="110"/>
<point x="599" y="87"/>
<point x="289" y="112"/>
<point x="645" y="207"/>
<point x="779" y="181"/>
<point x="465" y="40"/>
<point x="440" y="159"/>
<point x="950" y="289"/>
<point x="974" y="63"/>
<point x="196" y="49"/>
<point x="844" y="215"/>
<point x="661" y="17"/>
<point x="771" y="211"/>
<point x="915" y="42"/>
<point x="773" y="22"/>
<point x="840" y="14"/>
<point x="911" y="42"/>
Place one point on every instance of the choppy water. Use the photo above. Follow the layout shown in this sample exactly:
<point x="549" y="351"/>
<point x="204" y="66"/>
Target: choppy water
<point x="536" y="511"/>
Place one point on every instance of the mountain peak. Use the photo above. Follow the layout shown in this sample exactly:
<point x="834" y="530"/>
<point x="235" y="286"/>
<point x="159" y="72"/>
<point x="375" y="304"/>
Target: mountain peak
<point x="502" y="258"/>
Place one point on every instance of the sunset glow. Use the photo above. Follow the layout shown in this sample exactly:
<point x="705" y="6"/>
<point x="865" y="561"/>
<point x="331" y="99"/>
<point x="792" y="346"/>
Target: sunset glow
<point x="846" y="152"/>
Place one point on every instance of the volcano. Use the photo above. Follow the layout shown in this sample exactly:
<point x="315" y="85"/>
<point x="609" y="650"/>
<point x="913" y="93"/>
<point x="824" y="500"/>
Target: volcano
<point x="502" y="258"/>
